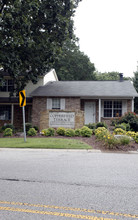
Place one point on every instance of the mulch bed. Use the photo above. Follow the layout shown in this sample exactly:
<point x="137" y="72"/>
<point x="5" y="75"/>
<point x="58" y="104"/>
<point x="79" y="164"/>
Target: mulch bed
<point x="92" y="141"/>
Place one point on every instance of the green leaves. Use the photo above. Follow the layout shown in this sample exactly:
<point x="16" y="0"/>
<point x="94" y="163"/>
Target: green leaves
<point x="32" y="33"/>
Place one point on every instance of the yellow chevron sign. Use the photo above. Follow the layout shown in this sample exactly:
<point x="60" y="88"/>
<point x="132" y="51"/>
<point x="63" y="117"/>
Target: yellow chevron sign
<point x="22" y="98"/>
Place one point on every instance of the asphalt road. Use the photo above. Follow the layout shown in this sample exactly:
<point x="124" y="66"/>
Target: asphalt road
<point x="62" y="184"/>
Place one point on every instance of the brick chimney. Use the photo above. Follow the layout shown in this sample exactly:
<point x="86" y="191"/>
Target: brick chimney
<point x="121" y="77"/>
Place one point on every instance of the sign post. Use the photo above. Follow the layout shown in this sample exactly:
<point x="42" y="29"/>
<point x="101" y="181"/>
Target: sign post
<point x="22" y="103"/>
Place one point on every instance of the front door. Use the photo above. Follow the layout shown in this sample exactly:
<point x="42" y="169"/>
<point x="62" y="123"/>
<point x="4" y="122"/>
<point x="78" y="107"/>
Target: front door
<point x="89" y="111"/>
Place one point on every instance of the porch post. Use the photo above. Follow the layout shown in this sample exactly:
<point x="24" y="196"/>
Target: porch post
<point x="12" y="113"/>
<point x="99" y="110"/>
<point x="133" y="105"/>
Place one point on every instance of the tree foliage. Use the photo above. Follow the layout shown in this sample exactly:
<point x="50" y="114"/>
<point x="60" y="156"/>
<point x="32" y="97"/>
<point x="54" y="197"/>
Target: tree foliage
<point x="73" y="64"/>
<point x="109" y="76"/>
<point x="31" y="36"/>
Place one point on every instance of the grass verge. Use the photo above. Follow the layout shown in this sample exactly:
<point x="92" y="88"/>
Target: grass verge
<point x="47" y="143"/>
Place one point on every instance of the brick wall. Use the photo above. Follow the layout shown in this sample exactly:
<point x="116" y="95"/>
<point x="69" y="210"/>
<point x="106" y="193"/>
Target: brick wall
<point x="40" y="115"/>
<point x="39" y="105"/>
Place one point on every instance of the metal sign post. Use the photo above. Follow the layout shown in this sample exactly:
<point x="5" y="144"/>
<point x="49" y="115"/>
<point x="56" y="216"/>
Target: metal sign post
<point x="23" y="108"/>
<point x="22" y="102"/>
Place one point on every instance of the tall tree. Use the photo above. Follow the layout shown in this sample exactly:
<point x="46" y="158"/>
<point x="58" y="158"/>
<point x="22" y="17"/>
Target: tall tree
<point x="73" y="64"/>
<point x="31" y="36"/>
<point x="109" y="76"/>
<point x="135" y="81"/>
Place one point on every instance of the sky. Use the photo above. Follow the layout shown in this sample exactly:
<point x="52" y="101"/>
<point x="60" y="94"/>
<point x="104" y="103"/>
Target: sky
<point x="108" y="34"/>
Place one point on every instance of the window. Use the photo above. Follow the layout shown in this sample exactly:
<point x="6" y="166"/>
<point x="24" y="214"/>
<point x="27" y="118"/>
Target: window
<point x="112" y="108"/>
<point x="5" y="112"/>
<point x="55" y="103"/>
<point x="7" y="86"/>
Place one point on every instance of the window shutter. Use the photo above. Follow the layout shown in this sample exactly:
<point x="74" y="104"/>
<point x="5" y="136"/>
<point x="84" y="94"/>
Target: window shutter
<point x="49" y="103"/>
<point x="124" y="107"/>
<point x="62" y="104"/>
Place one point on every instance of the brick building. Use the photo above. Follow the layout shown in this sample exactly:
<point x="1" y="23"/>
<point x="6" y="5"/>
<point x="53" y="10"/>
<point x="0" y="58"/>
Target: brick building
<point x="71" y="104"/>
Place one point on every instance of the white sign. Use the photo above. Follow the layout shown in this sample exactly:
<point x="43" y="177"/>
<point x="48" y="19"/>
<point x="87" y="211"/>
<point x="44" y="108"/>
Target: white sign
<point x="62" y="119"/>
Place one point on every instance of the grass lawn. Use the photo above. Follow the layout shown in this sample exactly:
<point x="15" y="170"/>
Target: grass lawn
<point x="48" y="143"/>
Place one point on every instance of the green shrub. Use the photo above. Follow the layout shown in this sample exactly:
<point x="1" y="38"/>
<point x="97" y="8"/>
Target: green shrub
<point x="101" y="124"/>
<point x="7" y="132"/>
<point x="28" y="126"/>
<point x="126" y="125"/>
<point x="86" y="132"/>
<point x="124" y="140"/>
<point x="91" y="125"/>
<point x="78" y="132"/>
<point x="119" y="131"/>
<point x="48" y="132"/>
<point x="8" y="126"/>
<point x="120" y="126"/>
<point x="69" y="132"/>
<point x="136" y="137"/>
<point x="131" y="134"/>
<point x="61" y="131"/>
<point x="32" y="132"/>
<point x="36" y="128"/>
<point x="132" y="119"/>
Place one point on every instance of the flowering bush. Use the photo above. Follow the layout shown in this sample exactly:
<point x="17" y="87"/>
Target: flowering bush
<point x="131" y="134"/>
<point x="119" y="131"/>
<point x="136" y="137"/>
<point x="86" y="132"/>
<point x="130" y="118"/>
<point x="100" y="132"/>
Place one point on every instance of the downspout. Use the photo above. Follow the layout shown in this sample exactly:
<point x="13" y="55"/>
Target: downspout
<point x="99" y="110"/>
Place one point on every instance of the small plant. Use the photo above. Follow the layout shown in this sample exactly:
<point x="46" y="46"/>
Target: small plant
<point x="32" y="132"/>
<point x="78" y="132"/>
<point x="119" y="131"/>
<point x="101" y="124"/>
<point x="48" y="132"/>
<point x="7" y="132"/>
<point x="61" y="131"/>
<point x="28" y="126"/>
<point x="86" y="132"/>
<point x="70" y="133"/>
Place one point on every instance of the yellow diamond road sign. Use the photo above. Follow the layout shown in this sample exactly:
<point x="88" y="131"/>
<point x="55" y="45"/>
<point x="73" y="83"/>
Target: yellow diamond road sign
<point x="22" y="98"/>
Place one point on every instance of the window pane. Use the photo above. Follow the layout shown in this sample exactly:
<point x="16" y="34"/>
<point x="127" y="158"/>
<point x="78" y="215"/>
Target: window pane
<point x="5" y="112"/>
<point x="107" y="112"/>
<point x="117" y="113"/>
<point x="118" y="104"/>
<point x="108" y="104"/>
<point x="55" y="103"/>
<point x="10" y="85"/>
<point x="3" y="87"/>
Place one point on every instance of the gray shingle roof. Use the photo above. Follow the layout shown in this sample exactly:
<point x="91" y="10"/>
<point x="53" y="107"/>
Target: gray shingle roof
<point x="86" y="89"/>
